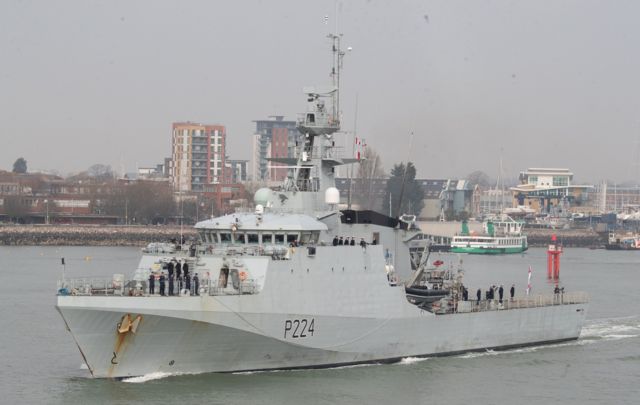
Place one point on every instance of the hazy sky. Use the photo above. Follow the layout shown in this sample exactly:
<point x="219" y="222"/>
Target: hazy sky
<point x="550" y="83"/>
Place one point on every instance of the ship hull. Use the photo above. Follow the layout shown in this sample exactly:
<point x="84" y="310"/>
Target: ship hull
<point x="481" y="250"/>
<point x="185" y="340"/>
<point x="619" y="246"/>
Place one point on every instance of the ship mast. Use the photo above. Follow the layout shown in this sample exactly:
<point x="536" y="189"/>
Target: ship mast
<point x="319" y="122"/>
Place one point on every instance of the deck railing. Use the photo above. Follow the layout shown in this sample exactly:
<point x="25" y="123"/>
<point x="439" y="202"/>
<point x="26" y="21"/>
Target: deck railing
<point x="137" y="288"/>
<point x="533" y="301"/>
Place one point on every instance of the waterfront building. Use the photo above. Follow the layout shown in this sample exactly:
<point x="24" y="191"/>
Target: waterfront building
<point x="541" y="189"/>
<point x="274" y="138"/>
<point x="198" y="155"/>
<point x="47" y="199"/>
<point x="459" y="198"/>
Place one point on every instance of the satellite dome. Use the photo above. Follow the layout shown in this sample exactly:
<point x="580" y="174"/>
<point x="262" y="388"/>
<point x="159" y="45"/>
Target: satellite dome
<point x="262" y="196"/>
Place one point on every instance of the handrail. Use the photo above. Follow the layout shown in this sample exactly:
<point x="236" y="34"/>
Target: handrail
<point x="140" y="288"/>
<point x="536" y="301"/>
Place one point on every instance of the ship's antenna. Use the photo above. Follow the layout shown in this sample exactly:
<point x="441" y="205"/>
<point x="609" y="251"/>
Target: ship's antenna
<point x="501" y="181"/>
<point x="353" y="151"/>
<point x="338" y="54"/>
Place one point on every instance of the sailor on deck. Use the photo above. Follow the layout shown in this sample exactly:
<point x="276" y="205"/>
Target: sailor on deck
<point x="152" y="283"/>
<point x="196" y="284"/>
<point x="162" y="284"/>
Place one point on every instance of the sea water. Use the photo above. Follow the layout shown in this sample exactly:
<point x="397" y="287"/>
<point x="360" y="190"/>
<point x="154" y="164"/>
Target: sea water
<point x="40" y="363"/>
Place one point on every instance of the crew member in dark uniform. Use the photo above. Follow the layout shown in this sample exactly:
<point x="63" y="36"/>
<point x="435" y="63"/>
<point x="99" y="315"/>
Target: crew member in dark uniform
<point x="353" y="241"/>
<point x="171" y="284"/>
<point x="335" y="240"/>
<point x="340" y="241"/>
<point x="170" y="269"/>
<point x="178" y="269"/>
<point x="479" y="296"/>
<point x="196" y="284"/>
<point x="512" y="291"/>
<point x="187" y="283"/>
<point x="178" y="273"/>
<point x="500" y="292"/>
<point x="152" y="284"/>
<point x="162" y="284"/>
<point x="185" y="269"/>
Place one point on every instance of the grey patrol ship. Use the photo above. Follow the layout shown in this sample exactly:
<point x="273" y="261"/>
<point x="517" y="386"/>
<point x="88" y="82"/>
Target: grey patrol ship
<point x="275" y="293"/>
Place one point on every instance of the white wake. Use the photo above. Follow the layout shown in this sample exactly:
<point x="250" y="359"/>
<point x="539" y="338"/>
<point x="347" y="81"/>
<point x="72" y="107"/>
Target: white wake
<point x="148" y="377"/>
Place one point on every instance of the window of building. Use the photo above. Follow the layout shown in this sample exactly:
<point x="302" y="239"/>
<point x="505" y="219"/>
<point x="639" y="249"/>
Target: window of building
<point x="560" y="181"/>
<point x="533" y="179"/>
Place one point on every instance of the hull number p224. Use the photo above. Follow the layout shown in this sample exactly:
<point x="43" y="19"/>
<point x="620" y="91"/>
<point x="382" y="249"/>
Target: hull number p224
<point x="298" y="328"/>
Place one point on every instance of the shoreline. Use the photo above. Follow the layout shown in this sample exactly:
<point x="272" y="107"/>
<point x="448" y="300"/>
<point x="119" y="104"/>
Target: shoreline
<point x="140" y="236"/>
<point x="90" y="235"/>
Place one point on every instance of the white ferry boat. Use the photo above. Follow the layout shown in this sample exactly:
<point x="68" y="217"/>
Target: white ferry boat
<point x="501" y="237"/>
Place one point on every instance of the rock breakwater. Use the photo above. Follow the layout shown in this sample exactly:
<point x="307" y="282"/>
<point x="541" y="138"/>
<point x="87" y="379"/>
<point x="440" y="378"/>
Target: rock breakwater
<point x="89" y="235"/>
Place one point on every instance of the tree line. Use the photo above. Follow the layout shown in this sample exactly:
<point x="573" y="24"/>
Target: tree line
<point x="133" y="202"/>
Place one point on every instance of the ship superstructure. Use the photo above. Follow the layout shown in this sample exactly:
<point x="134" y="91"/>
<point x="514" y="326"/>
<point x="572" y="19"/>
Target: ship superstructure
<point x="274" y="288"/>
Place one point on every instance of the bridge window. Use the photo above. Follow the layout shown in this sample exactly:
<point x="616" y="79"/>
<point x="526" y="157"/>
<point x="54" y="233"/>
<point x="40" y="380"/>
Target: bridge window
<point x="225" y="237"/>
<point x="279" y="238"/>
<point x="292" y="237"/>
<point x="252" y="238"/>
<point x="267" y="238"/>
<point x="311" y="119"/>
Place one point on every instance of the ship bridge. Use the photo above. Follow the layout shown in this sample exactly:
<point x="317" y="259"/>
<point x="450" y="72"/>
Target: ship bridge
<point x="257" y="229"/>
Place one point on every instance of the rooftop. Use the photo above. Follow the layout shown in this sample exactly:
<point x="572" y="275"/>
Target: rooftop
<point x="269" y="221"/>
